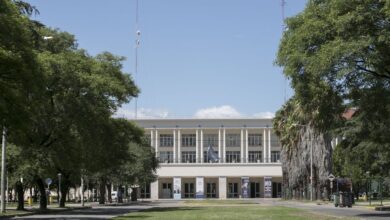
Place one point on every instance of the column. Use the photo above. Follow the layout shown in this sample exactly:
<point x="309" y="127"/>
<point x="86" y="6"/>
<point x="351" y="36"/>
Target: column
<point x="178" y="146"/>
<point x="269" y="145"/>
<point x="222" y="187"/>
<point x="219" y="145"/>
<point x="154" y="190"/>
<point x="201" y="146"/>
<point x="264" y="147"/>
<point x="246" y="146"/>
<point x="156" y="140"/>
<point x="224" y="145"/>
<point x="174" y="145"/>
<point x="242" y="146"/>
<point x="151" y="138"/>
<point x="197" y="145"/>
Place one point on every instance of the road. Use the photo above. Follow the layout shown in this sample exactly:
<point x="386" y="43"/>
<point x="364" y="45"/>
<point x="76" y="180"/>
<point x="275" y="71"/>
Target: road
<point x="107" y="212"/>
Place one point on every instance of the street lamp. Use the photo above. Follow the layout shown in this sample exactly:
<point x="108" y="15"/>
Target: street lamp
<point x="59" y="188"/>
<point x="311" y="160"/>
<point x="3" y="148"/>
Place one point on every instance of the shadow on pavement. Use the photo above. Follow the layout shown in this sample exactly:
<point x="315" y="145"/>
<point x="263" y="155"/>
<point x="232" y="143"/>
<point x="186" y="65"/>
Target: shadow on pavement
<point x="376" y="215"/>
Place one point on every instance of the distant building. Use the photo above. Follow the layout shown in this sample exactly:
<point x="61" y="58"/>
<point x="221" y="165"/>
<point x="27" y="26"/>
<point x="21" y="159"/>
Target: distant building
<point x="213" y="158"/>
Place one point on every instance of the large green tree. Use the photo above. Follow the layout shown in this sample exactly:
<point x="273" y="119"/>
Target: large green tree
<point x="337" y="55"/>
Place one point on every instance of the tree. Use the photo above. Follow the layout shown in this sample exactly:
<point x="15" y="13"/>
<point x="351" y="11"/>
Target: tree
<point x="337" y="55"/>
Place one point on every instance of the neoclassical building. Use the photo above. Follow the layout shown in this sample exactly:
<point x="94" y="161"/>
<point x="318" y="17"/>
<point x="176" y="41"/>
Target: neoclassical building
<point x="213" y="158"/>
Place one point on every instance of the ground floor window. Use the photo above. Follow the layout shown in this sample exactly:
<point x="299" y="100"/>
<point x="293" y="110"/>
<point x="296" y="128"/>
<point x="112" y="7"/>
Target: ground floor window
<point x="188" y="157"/>
<point x="254" y="156"/>
<point x="233" y="190"/>
<point x="189" y="190"/>
<point x="276" y="190"/>
<point x="167" y="190"/>
<point x="233" y="156"/>
<point x="145" y="191"/>
<point x="211" y="190"/>
<point x="255" y="190"/>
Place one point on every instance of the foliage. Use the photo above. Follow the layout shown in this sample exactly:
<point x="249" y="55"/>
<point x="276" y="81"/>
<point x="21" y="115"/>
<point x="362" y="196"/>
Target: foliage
<point x="337" y="55"/>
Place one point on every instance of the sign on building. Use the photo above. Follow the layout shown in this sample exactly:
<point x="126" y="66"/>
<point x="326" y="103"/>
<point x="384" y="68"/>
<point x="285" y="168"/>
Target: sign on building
<point x="245" y="187"/>
<point x="199" y="187"/>
<point x="176" y="188"/>
<point x="267" y="187"/>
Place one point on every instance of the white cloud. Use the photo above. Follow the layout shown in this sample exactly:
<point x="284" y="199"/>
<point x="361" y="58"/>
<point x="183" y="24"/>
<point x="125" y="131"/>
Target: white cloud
<point x="227" y="111"/>
<point x="224" y="111"/>
<point x="142" y="113"/>
<point x="264" y="115"/>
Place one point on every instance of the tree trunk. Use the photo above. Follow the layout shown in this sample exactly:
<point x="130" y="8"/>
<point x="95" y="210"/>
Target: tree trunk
<point x="65" y="185"/>
<point x="133" y="194"/>
<point x="120" y="194"/>
<point x="102" y="191"/>
<point x="20" y="193"/>
<point x="42" y="192"/>
<point x="109" y="197"/>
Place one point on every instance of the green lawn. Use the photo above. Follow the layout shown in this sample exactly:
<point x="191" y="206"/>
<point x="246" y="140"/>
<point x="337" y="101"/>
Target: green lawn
<point x="225" y="210"/>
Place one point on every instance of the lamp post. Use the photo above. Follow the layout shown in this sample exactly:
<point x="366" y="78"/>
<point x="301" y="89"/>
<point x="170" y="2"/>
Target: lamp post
<point x="59" y="189"/>
<point x="311" y="161"/>
<point x="3" y="148"/>
<point x="369" y="187"/>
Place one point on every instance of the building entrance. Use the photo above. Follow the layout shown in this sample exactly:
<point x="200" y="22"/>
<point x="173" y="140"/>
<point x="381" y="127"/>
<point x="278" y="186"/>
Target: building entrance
<point x="276" y="190"/>
<point x="255" y="190"/>
<point x="167" y="190"/>
<point x="233" y="190"/>
<point x="211" y="190"/>
<point x="189" y="190"/>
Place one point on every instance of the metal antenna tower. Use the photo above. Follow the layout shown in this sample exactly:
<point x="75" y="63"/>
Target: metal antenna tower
<point x="137" y="43"/>
<point x="282" y="4"/>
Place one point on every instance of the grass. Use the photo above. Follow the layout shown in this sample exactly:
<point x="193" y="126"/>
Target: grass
<point x="225" y="209"/>
<point x="13" y="213"/>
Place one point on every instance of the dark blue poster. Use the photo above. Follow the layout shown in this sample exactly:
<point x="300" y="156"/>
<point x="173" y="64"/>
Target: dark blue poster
<point x="245" y="187"/>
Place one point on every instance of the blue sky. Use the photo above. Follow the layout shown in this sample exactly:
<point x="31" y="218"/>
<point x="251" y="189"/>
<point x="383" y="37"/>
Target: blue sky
<point x="197" y="58"/>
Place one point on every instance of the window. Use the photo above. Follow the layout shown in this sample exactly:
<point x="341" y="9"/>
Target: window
<point x="254" y="139"/>
<point x="166" y="157"/>
<point x="233" y="156"/>
<point x="211" y="190"/>
<point x="148" y="139"/>
<point x="145" y="191"/>
<point x="233" y="190"/>
<point x="210" y="140"/>
<point x="206" y="156"/>
<point x="189" y="190"/>
<point x="254" y="156"/>
<point x="166" y="140"/>
<point x="275" y="156"/>
<point x="233" y="140"/>
<point x="275" y="141"/>
<point x="188" y="157"/>
<point x="188" y="140"/>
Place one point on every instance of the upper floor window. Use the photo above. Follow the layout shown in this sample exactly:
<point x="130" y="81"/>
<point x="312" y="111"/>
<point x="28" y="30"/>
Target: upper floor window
<point x="166" y="157"/>
<point x="233" y="156"/>
<point x="275" y="156"/>
<point x="232" y="140"/>
<point x="188" y="140"/>
<point x="166" y="140"/>
<point x="254" y="156"/>
<point x="254" y="139"/>
<point x="188" y="157"/>
<point x="210" y="140"/>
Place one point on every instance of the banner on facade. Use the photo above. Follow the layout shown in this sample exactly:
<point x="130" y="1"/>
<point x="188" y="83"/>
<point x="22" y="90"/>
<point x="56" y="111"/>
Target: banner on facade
<point x="199" y="187"/>
<point x="267" y="187"/>
<point x="176" y="187"/>
<point x="245" y="187"/>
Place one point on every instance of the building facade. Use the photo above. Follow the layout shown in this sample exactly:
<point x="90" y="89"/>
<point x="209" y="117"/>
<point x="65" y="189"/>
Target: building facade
<point x="213" y="158"/>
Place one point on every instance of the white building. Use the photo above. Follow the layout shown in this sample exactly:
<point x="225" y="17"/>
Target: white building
<point x="214" y="158"/>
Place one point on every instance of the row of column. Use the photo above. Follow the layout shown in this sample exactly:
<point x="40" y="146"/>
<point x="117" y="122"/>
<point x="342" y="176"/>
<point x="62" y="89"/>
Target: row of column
<point x="221" y="144"/>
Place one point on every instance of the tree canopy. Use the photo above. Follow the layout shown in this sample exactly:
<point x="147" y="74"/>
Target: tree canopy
<point x="337" y="56"/>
